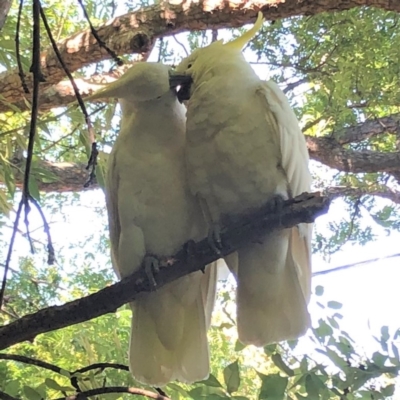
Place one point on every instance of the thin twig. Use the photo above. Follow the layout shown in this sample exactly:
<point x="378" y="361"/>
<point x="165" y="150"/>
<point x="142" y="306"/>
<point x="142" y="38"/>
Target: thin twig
<point x="182" y="45"/>
<point x="17" y="49"/>
<point x="62" y="371"/>
<point x="356" y="264"/>
<point x="91" y="135"/>
<point x="5" y="396"/>
<point x="116" y="389"/>
<point x="31" y="361"/>
<point x="101" y="366"/>
<point x="46" y="228"/>
<point x="97" y="37"/>
<point x="37" y="78"/>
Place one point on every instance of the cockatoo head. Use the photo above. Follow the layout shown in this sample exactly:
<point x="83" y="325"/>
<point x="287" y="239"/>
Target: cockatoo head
<point x="142" y="82"/>
<point x="201" y="60"/>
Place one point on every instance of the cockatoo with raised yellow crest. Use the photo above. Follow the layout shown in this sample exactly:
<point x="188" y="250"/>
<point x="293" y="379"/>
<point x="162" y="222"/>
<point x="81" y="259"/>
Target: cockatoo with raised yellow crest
<point x="244" y="148"/>
<point x="151" y="211"/>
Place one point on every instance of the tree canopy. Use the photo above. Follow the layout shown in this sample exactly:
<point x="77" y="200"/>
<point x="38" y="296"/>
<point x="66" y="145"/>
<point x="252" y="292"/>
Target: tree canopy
<point x="338" y="63"/>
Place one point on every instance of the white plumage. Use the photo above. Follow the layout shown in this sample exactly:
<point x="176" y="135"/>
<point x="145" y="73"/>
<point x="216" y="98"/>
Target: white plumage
<point x="151" y="211"/>
<point x="244" y="146"/>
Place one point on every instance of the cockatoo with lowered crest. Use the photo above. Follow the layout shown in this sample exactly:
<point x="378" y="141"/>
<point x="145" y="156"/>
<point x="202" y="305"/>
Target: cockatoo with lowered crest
<point x="151" y="211"/>
<point x="244" y="148"/>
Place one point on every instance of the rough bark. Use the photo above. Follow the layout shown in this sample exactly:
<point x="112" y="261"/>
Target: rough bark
<point x="304" y="208"/>
<point x="369" y="129"/>
<point x="5" y="6"/>
<point x="328" y="150"/>
<point x="135" y="32"/>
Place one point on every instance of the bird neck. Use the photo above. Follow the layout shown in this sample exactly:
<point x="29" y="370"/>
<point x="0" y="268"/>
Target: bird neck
<point x="158" y="122"/>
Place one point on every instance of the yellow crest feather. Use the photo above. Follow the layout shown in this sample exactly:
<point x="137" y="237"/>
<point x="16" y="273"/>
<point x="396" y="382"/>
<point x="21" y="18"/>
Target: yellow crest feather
<point x="241" y="41"/>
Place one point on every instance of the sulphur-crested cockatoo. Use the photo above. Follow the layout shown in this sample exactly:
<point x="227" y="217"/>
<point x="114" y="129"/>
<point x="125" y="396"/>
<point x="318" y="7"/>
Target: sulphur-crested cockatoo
<point x="151" y="211"/>
<point x="245" y="147"/>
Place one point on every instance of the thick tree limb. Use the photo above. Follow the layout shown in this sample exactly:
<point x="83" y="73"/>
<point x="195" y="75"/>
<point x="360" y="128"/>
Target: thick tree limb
<point x="368" y="129"/>
<point x="136" y="32"/>
<point x="329" y="152"/>
<point x="304" y="208"/>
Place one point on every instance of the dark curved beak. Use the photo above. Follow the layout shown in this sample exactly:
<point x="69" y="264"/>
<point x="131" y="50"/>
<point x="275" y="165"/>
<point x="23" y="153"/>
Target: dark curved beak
<point x="181" y="84"/>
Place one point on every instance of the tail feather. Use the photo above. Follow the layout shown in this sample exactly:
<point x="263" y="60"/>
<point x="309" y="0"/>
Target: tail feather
<point x="271" y="304"/>
<point x="169" y="331"/>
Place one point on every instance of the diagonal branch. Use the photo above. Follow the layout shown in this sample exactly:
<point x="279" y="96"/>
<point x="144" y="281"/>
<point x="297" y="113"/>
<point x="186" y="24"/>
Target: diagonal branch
<point x="137" y="31"/>
<point x="304" y="208"/>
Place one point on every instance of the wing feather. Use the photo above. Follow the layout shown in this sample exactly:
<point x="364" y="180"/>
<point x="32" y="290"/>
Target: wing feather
<point x="293" y="145"/>
<point x="295" y="160"/>
<point x="112" y="208"/>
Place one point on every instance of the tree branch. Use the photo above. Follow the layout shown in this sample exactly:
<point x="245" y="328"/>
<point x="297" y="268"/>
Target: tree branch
<point x="373" y="190"/>
<point x="304" y="208"/>
<point x="331" y="153"/>
<point x="368" y="129"/>
<point x="115" y="389"/>
<point x="137" y="31"/>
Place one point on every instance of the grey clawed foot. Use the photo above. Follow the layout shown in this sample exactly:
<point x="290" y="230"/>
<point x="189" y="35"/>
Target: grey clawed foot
<point x="276" y="203"/>
<point x="151" y="268"/>
<point x="214" y="238"/>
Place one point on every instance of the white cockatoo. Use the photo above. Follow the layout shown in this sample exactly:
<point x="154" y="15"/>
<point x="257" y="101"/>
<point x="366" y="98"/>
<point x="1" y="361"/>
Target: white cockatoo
<point x="151" y="211"/>
<point x="245" y="147"/>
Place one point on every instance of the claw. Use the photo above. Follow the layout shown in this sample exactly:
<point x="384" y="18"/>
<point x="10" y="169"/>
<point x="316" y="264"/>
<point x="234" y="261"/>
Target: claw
<point x="276" y="203"/>
<point x="214" y="238"/>
<point x="151" y="268"/>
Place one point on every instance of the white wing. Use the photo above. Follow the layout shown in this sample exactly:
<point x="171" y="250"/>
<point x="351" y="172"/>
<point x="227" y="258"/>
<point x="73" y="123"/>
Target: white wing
<point x="294" y="151"/>
<point x="295" y="161"/>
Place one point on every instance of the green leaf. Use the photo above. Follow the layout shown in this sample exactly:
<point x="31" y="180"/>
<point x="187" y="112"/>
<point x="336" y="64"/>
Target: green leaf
<point x="278" y="361"/>
<point x="211" y="381"/>
<point x="273" y="387"/>
<point x="319" y="290"/>
<point x="385" y="333"/>
<point x="379" y="359"/>
<point x="12" y="388"/>
<point x="388" y="390"/>
<point x="311" y="387"/>
<point x="323" y="330"/>
<point x="232" y="377"/>
<point x="65" y="373"/>
<point x="207" y="392"/>
<point x="34" y="188"/>
<point x="177" y="388"/>
<point x="304" y="364"/>
<point x="239" y="346"/>
<point x="395" y="351"/>
<point x="52" y="384"/>
<point x="334" y="357"/>
<point x="334" y="304"/>
<point x="31" y="393"/>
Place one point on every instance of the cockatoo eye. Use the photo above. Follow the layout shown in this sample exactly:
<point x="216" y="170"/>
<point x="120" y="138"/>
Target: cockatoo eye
<point x="190" y="65"/>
